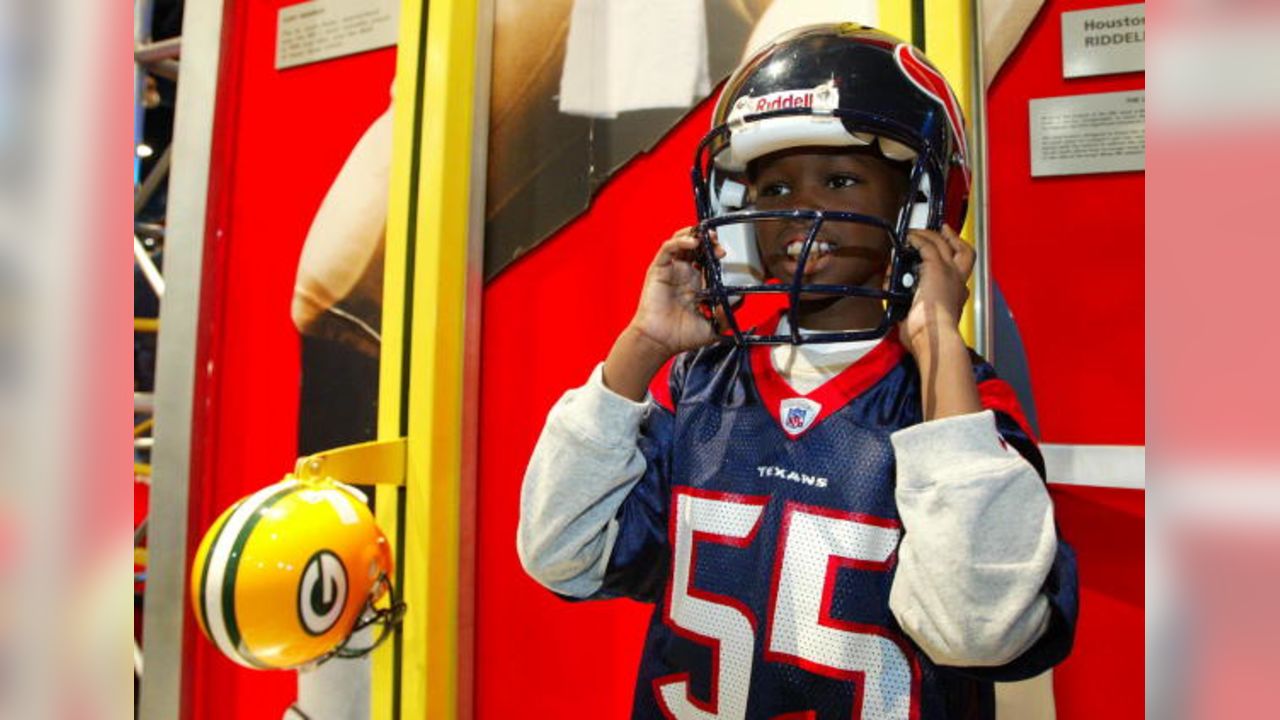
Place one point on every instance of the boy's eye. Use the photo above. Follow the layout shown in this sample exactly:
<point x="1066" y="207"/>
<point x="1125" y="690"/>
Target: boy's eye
<point x="776" y="189"/>
<point x="838" y="182"/>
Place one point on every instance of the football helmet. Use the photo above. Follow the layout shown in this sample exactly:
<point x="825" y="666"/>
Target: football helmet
<point x="832" y="85"/>
<point x="286" y="576"/>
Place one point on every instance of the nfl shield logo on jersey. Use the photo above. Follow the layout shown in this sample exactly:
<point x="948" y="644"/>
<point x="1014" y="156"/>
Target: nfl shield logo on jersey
<point x="798" y="414"/>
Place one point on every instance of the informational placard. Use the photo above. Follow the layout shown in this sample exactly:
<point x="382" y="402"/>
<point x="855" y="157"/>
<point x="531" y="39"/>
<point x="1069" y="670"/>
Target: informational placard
<point x="1082" y="134"/>
<point x="1104" y="40"/>
<point x="325" y="29"/>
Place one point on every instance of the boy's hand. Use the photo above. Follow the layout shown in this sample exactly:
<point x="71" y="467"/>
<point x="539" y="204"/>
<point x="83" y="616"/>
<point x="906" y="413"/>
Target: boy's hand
<point x="667" y="322"/>
<point x="945" y="264"/>
<point x="669" y="315"/>
<point x="931" y="331"/>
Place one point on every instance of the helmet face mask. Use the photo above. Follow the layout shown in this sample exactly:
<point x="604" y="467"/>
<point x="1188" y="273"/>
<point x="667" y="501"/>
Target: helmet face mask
<point x="383" y="616"/>
<point x="826" y="86"/>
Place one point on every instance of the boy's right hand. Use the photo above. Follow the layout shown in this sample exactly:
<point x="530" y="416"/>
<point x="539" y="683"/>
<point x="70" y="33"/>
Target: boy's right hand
<point x="667" y="322"/>
<point x="669" y="315"/>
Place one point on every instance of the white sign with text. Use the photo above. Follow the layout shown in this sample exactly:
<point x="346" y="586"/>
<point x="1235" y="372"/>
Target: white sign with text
<point x="1082" y="134"/>
<point x="1104" y="41"/>
<point x="325" y="29"/>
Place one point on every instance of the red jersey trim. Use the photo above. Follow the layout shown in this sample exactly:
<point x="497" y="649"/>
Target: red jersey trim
<point x="832" y="394"/>
<point x="660" y="386"/>
<point x="998" y="395"/>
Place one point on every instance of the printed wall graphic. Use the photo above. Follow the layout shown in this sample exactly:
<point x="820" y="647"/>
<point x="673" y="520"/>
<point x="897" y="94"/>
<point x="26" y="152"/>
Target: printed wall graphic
<point x="337" y="309"/>
<point x="580" y="87"/>
<point x="337" y="298"/>
<point x="569" y="106"/>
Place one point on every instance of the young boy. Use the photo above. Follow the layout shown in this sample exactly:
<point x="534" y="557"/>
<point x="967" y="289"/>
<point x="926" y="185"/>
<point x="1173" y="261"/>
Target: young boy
<point x="842" y="513"/>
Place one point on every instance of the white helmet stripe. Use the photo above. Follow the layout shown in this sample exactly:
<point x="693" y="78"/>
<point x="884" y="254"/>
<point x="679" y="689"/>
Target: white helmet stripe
<point x="218" y="562"/>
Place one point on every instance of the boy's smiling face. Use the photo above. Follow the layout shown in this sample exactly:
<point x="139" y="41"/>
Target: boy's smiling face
<point x="839" y="179"/>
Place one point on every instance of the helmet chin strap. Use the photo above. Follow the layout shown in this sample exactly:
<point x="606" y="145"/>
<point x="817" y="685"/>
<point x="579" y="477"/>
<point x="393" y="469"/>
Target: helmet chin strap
<point x="917" y="212"/>
<point x="741" y="264"/>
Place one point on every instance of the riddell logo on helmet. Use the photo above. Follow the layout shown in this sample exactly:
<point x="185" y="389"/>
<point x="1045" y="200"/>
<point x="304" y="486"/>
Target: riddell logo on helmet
<point x="783" y="100"/>
<point x="820" y="99"/>
<point x="817" y="99"/>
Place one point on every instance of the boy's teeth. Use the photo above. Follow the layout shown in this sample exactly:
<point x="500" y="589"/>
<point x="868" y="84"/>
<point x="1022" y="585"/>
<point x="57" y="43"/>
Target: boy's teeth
<point x="819" y="248"/>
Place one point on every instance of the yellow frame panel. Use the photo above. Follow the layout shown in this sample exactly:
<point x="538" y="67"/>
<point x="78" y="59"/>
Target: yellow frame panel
<point x="895" y="18"/>
<point x="949" y="44"/>
<point x="384" y="704"/>
<point x="948" y="26"/>
<point x="424" y="306"/>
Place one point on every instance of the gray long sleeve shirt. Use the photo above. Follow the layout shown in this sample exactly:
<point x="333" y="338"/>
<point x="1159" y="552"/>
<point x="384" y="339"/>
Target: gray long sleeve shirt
<point x="979" y="535"/>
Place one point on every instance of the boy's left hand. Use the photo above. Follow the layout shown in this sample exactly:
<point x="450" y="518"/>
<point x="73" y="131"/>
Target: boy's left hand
<point x="946" y="262"/>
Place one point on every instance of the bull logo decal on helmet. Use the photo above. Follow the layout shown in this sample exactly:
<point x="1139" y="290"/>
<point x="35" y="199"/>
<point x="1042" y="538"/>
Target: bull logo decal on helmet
<point x="322" y="594"/>
<point x="930" y="81"/>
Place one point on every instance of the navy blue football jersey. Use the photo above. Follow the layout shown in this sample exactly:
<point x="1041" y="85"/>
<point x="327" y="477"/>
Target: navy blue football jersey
<point x="765" y="530"/>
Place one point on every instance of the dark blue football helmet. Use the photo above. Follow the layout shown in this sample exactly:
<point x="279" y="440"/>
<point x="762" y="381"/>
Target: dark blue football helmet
<point x="834" y="85"/>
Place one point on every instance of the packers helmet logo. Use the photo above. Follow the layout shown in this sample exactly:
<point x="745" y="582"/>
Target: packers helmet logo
<point x="322" y="593"/>
<point x="302" y="542"/>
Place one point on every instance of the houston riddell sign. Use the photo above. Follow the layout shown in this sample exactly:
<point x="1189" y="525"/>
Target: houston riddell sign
<point x="1103" y="41"/>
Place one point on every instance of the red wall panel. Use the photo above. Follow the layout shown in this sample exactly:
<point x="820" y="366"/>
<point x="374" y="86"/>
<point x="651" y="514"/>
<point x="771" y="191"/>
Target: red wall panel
<point x="1104" y="676"/>
<point x="280" y="137"/>
<point x="1068" y="253"/>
